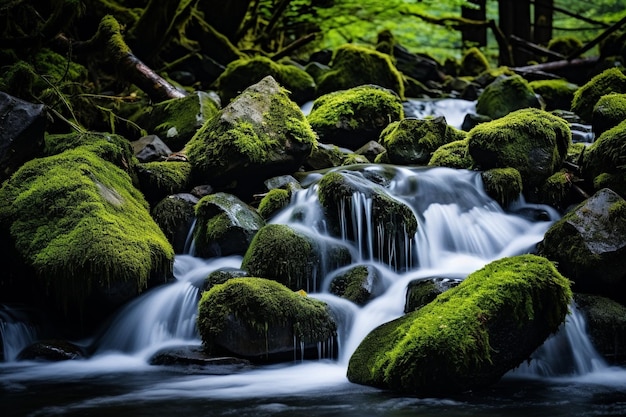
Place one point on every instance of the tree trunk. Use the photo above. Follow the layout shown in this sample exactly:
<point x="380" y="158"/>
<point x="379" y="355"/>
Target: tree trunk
<point x="478" y="36"/>
<point x="514" y="19"/>
<point x="543" y="22"/>
<point x="224" y="16"/>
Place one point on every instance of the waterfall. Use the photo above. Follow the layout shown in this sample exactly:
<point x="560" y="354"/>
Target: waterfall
<point x="16" y="332"/>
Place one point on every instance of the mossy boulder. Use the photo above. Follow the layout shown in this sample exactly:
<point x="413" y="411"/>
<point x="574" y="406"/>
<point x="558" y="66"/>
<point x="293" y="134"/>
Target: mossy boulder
<point x="589" y="245"/>
<point x="274" y="201"/>
<point x="351" y="118"/>
<point x="556" y="94"/>
<point x="220" y="276"/>
<point x="85" y="230"/>
<point x="175" y="121"/>
<point x="420" y="292"/>
<point x="606" y="325"/>
<point x="505" y="95"/>
<point x="325" y="156"/>
<point x="298" y="260"/>
<point x="261" y="131"/>
<point x="609" y="111"/>
<point x="565" y="45"/>
<point x="470" y="335"/>
<point x="175" y="215"/>
<point x="262" y="320"/>
<point x="354" y="65"/>
<point x="603" y="160"/>
<point x="242" y="73"/>
<point x="586" y="97"/>
<point x="225" y="225"/>
<point x="532" y="141"/>
<point x="159" y="179"/>
<point x="557" y="190"/>
<point x="452" y="155"/>
<point x="412" y="141"/>
<point x="359" y="284"/>
<point x="387" y="228"/>
<point x="502" y="184"/>
<point x="474" y="62"/>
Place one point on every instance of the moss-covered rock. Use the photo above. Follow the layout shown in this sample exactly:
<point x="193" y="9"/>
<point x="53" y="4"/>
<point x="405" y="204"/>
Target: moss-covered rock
<point x="556" y="94"/>
<point x="452" y="155"/>
<point x="565" y="45"/>
<point x="353" y="117"/>
<point x="261" y="131"/>
<point x="502" y="184"/>
<point x="225" y="225"/>
<point x="354" y="65"/>
<point x="262" y="320"/>
<point x="532" y="141"/>
<point x="473" y="62"/>
<point x="175" y="121"/>
<point x="413" y="141"/>
<point x="158" y="179"/>
<point x="589" y="245"/>
<point x="470" y="335"/>
<point x="609" y="111"/>
<point x="274" y="201"/>
<point x="505" y="95"/>
<point x="556" y="191"/>
<point x="85" y="230"/>
<point x="359" y="284"/>
<point x="220" y="276"/>
<point x="242" y="73"/>
<point x="609" y="81"/>
<point x="606" y="156"/>
<point x="175" y="215"/>
<point x="422" y="291"/>
<point x="606" y="325"/>
<point x="389" y="226"/>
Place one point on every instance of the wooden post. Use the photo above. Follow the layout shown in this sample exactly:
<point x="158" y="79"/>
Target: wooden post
<point x="514" y="19"/>
<point x="477" y="36"/>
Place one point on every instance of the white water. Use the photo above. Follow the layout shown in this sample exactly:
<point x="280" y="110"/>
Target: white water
<point x="460" y="230"/>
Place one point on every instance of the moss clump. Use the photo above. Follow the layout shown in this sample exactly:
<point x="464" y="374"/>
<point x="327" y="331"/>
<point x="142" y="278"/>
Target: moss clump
<point x="423" y="291"/>
<point x="359" y="284"/>
<point x="557" y="94"/>
<point x="242" y="73"/>
<point x="565" y="45"/>
<point x="174" y="215"/>
<point x="555" y="191"/>
<point x="160" y="179"/>
<point x="83" y="227"/>
<point x="274" y="201"/>
<point x="608" y="112"/>
<point x="607" y="154"/>
<point x="413" y="141"/>
<point x="353" y="117"/>
<point x="503" y="184"/>
<point x="470" y="335"/>
<point x="452" y="155"/>
<point x="261" y="305"/>
<point x="532" y="141"/>
<point x="609" y="81"/>
<point x="354" y="65"/>
<point x="505" y="95"/>
<point x="474" y="62"/>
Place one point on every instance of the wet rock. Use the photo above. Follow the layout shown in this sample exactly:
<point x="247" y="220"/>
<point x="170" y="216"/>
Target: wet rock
<point x="502" y="184"/>
<point x="359" y="284"/>
<point x="370" y="150"/>
<point x="150" y="148"/>
<point x="175" y="215"/>
<point x="159" y="179"/>
<point x="52" y="351"/>
<point x="423" y="291"/>
<point x="193" y="359"/>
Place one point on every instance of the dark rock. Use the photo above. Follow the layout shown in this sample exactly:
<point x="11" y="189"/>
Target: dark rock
<point x="150" y="148"/>
<point x="175" y="215"/>
<point x="193" y="359"/>
<point x="423" y="291"/>
<point x="52" y="351"/>
<point x="359" y="284"/>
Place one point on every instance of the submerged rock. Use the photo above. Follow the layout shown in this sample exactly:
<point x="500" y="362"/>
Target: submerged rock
<point x="51" y="351"/>
<point x="262" y="320"/>
<point x="470" y="335"/>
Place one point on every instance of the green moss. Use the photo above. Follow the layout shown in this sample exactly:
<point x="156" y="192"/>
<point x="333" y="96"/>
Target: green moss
<point x="606" y="154"/>
<point x="505" y="95"/>
<point x="452" y="155"/>
<point x="565" y="45"/>
<point x="172" y="212"/>
<point x="557" y="94"/>
<point x="608" y="112"/>
<point x="262" y="304"/>
<point x="474" y="62"/>
<point x="354" y="65"/>
<point x="274" y="201"/>
<point x="555" y="190"/>
<point x="159" y="179"/>
<point x="609" y="81"/>
<point x="412" y="141"/>
<point x="503" y="184"/>
<point x="354" y="285"/>
<point x="242" y="73"/>
<point x="449" y="344"/>
<point x="81" y="224"/>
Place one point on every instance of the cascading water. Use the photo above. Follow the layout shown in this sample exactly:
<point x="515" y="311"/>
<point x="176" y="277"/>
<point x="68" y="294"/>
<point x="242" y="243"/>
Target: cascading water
<point x="16" y="332"/>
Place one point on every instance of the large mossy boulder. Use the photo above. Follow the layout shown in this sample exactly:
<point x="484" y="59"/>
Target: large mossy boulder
<point x="261" y="131"/>
<point x="77" y="220"/>
<point x="603" y="161"/>
<point x="609" y="111"/>
<point x="589" y="245"/>
<point x="291" y="257"/>
<point x="351" y="118"/>
<point x="387" y="224"/>
<point x="262" y="320"/>
<point x="175" y="121"/>
<point x="412" y="141"/>
<point x="609" y="81"/>
<point x="470" y="335"/>
<point x="242" y="73"/>
<point x="225" y="225"/>
<point x="354" y="65"/>
<point x="505" y="95"/>
<point x="532" y="141"/>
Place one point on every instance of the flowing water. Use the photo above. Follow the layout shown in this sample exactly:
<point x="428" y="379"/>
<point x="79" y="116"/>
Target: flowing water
<point x="460" y="230"/>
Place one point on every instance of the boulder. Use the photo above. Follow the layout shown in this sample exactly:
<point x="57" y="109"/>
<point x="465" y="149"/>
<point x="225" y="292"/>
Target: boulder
<point x="274" y="201"/>
<point x="505" y="95"/>
<point x="473" y="62"/>
<point x="159" y="179"/>
<point x="609" y="111"/>
<point x="51" y="351"/>
<point x="194" y="359"/>
<point x="586" y="97"/>
<point x="502" y="184"/>
<point x="589" y="245"/>
<point x="470" y="335"/>
<point x="175" y="215"/>
<point x="225" y="225"/>
<point x="422" y="291"/>
<point x="354" y="65"/>
<point x="261" y="131"/>
<point x="452" y="155"/>
<point x="359" y="284"/>
<point x="351" y="118"/>
<point x="262" y="320"/>
<point x="150" y="149"/>
<point x="532" y="141"/>
<point x="556" y="94"/>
